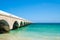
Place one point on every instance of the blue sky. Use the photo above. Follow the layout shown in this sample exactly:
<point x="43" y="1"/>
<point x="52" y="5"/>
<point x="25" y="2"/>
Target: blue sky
<point x="33" y="10"/>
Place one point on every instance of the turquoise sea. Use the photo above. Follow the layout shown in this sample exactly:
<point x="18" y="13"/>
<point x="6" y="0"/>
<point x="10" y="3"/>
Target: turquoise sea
<point x="35" y="31"/>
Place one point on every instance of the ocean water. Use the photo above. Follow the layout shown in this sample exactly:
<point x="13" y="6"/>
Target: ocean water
<point x="35" y="31"/>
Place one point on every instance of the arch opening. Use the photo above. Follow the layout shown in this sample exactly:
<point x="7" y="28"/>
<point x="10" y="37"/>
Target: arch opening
<point x="4" y="26"/>
<point x="24" y="23"/>
<point x="21" y="24"/>
<point x="15" y="25"/>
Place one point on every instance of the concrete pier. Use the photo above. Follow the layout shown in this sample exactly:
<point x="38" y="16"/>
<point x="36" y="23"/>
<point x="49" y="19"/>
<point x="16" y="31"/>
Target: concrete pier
<point x="9" y="21"/>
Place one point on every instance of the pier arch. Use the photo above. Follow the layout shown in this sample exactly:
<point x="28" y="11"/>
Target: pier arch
<point x="4" y="26"/>
<point x="15" y="25"/>
<point x="21" y="24"/>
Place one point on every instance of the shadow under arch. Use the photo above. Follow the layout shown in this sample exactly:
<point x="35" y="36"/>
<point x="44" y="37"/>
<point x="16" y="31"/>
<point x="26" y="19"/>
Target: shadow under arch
<point x="21" y="24"/>
<point x="24" y="23"/>
<point x="15" y="25"/>
<point x="4" y="26"/>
